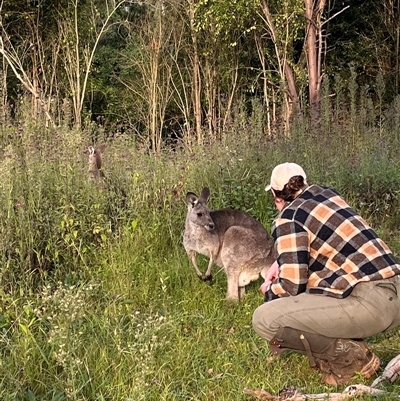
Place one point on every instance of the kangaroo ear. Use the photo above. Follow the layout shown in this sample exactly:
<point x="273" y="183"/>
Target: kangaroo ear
<point x="191" y="199"/>
<point x="205" y="194"/>
<point x="101" y="148"/>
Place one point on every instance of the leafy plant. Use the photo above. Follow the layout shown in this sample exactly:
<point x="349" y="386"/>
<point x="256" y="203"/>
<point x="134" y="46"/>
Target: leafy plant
<point x="98" y="300"/>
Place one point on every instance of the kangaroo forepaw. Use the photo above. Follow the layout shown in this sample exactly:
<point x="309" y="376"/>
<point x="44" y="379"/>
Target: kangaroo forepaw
<point x="205" y="277"/>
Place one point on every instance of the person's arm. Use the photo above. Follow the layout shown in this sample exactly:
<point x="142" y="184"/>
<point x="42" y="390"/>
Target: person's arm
<point x="293" y="249"/>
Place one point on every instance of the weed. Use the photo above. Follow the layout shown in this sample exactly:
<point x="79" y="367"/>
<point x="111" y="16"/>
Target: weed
<point x="98" y="300"/>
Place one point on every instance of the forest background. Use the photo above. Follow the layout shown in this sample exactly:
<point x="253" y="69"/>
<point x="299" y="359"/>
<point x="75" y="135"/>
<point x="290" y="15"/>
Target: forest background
<point x="98" y="300"/>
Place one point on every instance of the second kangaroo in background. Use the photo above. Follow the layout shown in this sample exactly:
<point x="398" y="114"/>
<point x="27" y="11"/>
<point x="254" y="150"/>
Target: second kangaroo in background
<point x="231" y="239"/>
<point x="95" y="162"/>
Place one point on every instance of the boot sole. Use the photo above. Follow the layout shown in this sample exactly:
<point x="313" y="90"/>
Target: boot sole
<point x="367" y="371"/>
<point x="371" y="367"/>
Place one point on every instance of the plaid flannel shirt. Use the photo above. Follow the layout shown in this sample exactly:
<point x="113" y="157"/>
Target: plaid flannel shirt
<point x="325" y="247"/>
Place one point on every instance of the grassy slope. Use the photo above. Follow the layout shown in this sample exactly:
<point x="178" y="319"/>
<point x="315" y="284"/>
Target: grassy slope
<point x="98" y="299"/>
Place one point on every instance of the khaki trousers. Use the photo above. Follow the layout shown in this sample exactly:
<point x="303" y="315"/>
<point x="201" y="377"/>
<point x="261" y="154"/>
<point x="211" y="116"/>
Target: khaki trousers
<point x="371" y="308"/>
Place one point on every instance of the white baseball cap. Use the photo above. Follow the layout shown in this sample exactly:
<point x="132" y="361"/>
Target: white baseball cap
<point x="282" y="173"/>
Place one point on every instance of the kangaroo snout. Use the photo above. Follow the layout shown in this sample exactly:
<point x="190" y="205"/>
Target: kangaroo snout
<point x="209" y="226"/>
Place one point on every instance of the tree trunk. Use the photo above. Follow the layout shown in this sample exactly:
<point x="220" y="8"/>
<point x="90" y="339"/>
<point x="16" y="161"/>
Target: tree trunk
<point x="312" y="58"/>
<point x="196" y="78"/>
<point x="210" y="78"/>
<point x="286" y="72"/>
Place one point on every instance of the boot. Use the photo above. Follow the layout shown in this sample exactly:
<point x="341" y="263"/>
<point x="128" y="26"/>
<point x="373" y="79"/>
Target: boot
<point x="338" y="359"/>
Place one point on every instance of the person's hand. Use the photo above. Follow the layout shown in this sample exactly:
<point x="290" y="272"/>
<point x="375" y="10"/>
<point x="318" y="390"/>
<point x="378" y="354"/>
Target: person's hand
<point x="264" y="286"/>
<point x="270" y="276"/>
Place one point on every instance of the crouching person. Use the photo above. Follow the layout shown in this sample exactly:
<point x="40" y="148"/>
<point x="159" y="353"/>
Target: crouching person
<point x="335" y="282"/>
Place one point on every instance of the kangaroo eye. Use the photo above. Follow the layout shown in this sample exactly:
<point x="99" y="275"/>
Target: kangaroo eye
<point x="199" y="214"/>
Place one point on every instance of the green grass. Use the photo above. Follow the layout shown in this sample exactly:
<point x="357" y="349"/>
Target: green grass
<point x="98" y="300"/>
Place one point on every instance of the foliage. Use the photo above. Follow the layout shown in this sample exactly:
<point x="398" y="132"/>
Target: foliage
<point x="366" y="36"/>
<point x="210" y="52"/>
<point x="98" y="300"/>
<point x="224" y="16"/>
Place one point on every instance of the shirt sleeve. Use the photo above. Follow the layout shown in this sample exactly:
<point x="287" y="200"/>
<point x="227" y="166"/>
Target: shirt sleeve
<point x="293" y="250"/>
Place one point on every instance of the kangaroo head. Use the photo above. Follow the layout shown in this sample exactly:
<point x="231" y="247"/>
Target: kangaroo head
<point x="198" y="211"/>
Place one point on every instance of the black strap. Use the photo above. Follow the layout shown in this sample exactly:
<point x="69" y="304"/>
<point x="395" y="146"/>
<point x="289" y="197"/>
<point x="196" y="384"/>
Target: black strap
<point x="308" y="350"/>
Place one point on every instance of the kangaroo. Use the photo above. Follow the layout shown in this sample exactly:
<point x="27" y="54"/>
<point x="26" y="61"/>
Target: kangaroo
<point x="231" y="239"/>
<point x="95" y="162"/>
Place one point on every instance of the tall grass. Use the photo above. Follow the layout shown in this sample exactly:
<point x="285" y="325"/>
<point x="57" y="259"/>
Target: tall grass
<point x="98" y="300"/>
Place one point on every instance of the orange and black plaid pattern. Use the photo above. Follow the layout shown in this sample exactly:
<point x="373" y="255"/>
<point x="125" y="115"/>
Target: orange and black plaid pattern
<point x="325" y="247"/>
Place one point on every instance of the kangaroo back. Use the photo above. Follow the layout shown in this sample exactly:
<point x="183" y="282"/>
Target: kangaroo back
<point x="231" y="239"/>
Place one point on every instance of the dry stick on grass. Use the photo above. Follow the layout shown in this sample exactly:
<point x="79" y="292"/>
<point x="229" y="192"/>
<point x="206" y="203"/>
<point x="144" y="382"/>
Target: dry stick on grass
<point x="292" y="394"/>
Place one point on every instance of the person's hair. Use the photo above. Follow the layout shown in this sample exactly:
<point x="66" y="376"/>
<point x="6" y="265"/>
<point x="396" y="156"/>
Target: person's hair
<point x="290" y="190"/>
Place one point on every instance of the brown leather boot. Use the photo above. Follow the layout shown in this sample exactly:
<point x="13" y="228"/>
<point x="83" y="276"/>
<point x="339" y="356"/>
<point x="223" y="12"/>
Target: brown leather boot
<point x="346" y="358"/>
<point x="338" y="359"/>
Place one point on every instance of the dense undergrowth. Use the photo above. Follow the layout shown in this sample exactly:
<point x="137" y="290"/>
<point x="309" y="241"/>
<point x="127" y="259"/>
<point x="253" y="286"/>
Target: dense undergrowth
<point x="98" y="300"/>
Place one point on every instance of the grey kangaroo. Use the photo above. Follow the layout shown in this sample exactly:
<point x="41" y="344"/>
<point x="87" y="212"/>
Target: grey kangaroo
<point x="95" y="162"/>
<point x="231" y="239"/>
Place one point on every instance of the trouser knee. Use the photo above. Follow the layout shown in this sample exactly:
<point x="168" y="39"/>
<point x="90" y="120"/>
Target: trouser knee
<point x="261" y="324"/>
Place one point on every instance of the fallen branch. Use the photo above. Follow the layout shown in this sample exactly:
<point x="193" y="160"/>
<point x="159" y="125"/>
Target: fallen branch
<point x="293" y="394"/>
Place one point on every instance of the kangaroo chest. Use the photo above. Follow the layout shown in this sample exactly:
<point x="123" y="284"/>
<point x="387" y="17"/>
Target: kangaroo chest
<point x="200" y="240"/>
